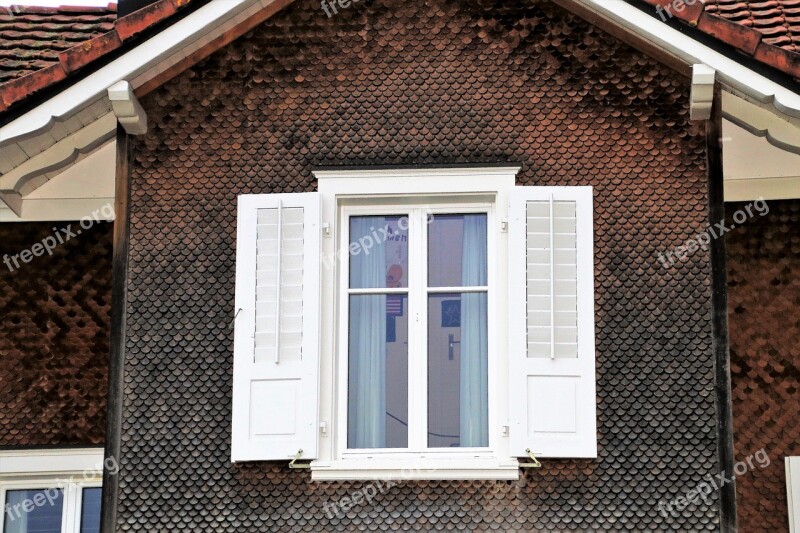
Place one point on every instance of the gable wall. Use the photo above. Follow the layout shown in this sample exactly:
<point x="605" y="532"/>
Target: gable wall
<point x="763" y="299"/>
<point x="54" y="327"/>
<point x="409" y="83"/>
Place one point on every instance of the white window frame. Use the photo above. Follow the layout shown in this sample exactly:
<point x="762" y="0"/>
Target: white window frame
<point x="344" y="192"/>
<point x="71" y="469"/>
<point x="793" y="492"/>
<point x="417" y="370"/>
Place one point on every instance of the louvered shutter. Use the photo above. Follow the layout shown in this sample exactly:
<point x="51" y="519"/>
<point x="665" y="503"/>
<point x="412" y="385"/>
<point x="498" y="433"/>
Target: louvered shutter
<point x="551" y="321"/>
<point x="276" y="341"/>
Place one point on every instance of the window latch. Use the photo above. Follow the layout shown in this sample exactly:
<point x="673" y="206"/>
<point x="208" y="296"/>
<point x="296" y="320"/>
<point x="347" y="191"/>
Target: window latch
<point x="293" y="463"/>
<point x="534" y="463"/>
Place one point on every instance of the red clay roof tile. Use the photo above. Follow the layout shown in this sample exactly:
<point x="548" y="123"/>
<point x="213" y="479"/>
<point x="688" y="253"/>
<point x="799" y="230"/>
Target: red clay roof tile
<point x="40" y="46"/>
<point x="34" y="39"/>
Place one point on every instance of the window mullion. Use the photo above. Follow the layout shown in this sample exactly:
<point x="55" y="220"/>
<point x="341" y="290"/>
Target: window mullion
<point x="69" y="508"/>
<point x="418" y="390"/>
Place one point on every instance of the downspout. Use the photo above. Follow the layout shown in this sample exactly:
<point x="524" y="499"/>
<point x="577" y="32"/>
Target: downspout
<point x="719" y="301"/>
<point x="116" y="365"/>
<point x="132" y="121"/>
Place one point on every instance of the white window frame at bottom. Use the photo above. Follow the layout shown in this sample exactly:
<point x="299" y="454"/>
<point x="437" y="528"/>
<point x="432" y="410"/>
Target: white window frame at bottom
<point x="379" y="192"/>
<point x="73" y="497"/>
<point x="70" y="469"/>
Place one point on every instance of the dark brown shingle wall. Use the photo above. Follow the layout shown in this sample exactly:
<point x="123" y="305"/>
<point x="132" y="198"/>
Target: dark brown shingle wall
<point x="413" y="83"/>
<point x="54" y="319"/>
<point x="764" y="303"/>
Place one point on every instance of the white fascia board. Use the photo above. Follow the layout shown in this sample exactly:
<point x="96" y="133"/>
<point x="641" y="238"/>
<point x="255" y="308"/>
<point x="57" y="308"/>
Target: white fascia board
<point x="93" y="87"/>
<point x="51" y="461"/>
<point x="733" y="76"/>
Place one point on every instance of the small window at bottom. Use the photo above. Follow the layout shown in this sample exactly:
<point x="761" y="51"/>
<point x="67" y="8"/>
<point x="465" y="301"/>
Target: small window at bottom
<point x="33" y="511"/>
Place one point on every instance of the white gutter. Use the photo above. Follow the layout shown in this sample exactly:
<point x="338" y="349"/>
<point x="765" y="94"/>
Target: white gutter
<point x="733" y="76"/>
<point x="93" y="87"/>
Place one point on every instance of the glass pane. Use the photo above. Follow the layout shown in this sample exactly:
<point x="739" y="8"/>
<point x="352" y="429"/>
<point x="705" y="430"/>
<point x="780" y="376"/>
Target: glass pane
<point x="378" y="371"/>
<point x="378" y="252"/>
<point x="33" y="511"/>
<point x="457" y="250"/>
<point x="90" y="510"/>
<point x="458" y="396"/>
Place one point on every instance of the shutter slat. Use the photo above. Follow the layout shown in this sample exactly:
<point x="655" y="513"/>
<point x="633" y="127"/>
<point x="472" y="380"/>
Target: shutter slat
<point x="276" y="342"/>
<point x="551" y="325"/>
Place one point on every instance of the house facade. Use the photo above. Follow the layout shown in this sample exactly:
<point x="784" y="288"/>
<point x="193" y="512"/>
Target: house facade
<point x="406" y="267"/>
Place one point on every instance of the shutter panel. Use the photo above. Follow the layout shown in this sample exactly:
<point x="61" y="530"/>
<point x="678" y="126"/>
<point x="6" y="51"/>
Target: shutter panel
<point x="551" y="322"/>
<point x="276" y="341"/>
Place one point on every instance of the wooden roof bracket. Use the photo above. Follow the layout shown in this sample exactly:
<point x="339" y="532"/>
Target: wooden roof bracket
<point x="701" y="98"/>
<point x="127" y="108"/>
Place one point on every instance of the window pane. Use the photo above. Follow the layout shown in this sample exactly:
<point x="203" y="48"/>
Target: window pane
<point x="457" y="250"/>
<point x="33" y="511"/>
<point x="378" y="252"/>
<point x="378" y="371"/>
<point x="90" y="510"/>
<point x="458" y="396"/>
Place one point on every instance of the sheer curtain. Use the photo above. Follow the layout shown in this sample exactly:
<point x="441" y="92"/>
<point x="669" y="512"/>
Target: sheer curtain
<point x="474" y="416"/>
<point x="16" y="521"/>
<point x="367" y="350"/>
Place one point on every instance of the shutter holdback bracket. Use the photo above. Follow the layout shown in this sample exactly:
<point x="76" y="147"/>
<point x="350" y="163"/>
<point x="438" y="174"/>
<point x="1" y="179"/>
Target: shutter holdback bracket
<point x="233" y="321"/>
<point x="293" y="463"/>
<point x="534" y="461"/>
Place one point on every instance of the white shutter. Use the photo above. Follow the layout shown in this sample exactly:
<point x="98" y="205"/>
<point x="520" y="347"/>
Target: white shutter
<point x="551" y="322"/>
<point x="276" y="340"/>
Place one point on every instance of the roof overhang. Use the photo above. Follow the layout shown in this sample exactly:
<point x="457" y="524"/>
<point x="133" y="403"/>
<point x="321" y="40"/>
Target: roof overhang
<point x="750" y="96"/>
<point x="77" y="121"/>
<point x="45" y="141"/>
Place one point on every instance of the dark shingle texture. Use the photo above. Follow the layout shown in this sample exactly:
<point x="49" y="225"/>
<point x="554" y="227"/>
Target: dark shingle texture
<point x="764" y="298"/>
<point x="409" y="83"/>
<point x="54" y="328"/>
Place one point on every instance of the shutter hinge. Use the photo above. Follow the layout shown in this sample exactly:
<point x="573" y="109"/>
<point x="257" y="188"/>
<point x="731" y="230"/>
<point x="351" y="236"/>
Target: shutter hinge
<point x="326" y="229"/>
<point x="293" y="463"/>
<point x="504" y="226"/>
<point x="534" y="461"/>
<point x="323" y="427"/>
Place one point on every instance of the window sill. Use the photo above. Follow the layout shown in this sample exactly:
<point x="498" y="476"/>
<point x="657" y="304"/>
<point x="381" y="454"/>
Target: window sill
<point x="415" y="469"/>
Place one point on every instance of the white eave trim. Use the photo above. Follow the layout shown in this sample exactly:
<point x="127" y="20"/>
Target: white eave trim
<point x="165" y="45"/>
<point x="733" y="76"/>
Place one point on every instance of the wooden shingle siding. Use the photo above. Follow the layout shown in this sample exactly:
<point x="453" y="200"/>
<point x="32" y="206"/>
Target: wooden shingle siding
<point x="412" y="83"/>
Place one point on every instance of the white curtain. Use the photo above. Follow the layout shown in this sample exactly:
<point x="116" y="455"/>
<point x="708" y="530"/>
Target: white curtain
<point x="474" y="379"/>
<point x="16" y="521"/>
<point x="367" y="339"/>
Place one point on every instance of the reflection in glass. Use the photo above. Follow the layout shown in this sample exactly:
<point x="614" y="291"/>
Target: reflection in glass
<point x="452" y="240"/>
<point x="44" y="514"/>
<point x="378" y="252"/>
<point x="90" y="510"/>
